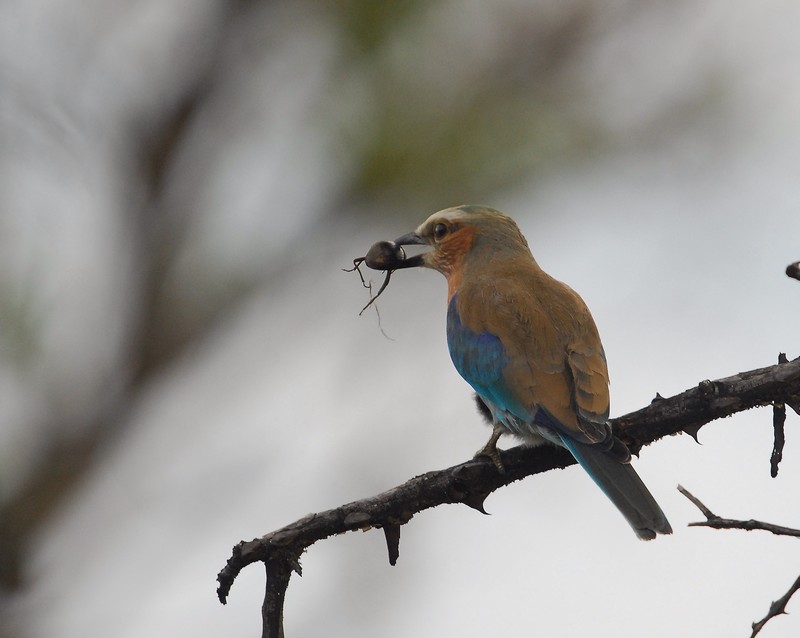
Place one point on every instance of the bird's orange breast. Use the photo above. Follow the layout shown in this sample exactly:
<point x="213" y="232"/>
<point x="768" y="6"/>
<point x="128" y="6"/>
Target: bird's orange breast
<point x="450" y="254"/>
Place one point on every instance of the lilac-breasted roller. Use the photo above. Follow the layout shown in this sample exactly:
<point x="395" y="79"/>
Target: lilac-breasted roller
<point x="529" y="347"/>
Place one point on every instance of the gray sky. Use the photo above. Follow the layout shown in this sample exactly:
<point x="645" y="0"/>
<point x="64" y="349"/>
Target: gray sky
<point x="675" y="227"/>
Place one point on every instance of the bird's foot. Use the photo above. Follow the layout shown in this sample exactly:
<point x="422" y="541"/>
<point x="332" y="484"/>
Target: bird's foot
<point x="490" y="449"/>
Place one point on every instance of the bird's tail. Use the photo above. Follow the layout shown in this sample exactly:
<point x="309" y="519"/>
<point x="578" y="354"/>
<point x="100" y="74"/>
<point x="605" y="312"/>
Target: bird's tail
<point x="621" y="483"/>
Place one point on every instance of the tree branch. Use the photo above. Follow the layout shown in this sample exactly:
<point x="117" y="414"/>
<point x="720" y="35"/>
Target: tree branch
<point x="717" y="522"/>
<point x="793" y="270"/>
<point x="471" y="482"/>
<point x="777" y="607"/>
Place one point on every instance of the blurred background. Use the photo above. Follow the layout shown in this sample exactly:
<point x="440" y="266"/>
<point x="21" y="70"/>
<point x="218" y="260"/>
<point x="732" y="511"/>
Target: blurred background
<point x="183" y="365"/>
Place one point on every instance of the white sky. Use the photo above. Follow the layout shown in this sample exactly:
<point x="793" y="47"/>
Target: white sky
<point x="295" y="404"/>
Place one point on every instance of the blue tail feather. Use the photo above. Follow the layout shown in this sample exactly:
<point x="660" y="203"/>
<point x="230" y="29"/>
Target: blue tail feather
<point x="622" y="485"/>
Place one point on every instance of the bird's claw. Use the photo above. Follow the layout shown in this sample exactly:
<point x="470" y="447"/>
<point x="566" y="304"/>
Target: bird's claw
<point x="490" y="450"/>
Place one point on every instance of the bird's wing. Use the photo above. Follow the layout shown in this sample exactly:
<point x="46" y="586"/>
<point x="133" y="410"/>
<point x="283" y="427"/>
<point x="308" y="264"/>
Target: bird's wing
<point x="552" y="356"/>
<point x="587" y="367"/>
<point x="584" y="365"/>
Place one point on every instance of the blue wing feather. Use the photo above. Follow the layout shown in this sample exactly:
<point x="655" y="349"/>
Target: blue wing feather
<point x="480" y="359"/>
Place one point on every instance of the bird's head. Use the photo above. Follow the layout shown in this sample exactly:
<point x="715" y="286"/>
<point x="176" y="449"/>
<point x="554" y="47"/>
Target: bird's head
<point x="457" y="235"/>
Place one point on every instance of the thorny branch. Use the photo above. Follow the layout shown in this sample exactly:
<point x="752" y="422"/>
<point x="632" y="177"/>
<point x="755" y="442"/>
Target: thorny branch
<point x="778" y="607"/>
<point x="471" y="482"/>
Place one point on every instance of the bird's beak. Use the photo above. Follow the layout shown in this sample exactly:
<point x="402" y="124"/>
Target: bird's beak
<point x="411" y="239"/>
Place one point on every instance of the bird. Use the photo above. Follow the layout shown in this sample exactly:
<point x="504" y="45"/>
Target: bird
<point x="530" y="349"/>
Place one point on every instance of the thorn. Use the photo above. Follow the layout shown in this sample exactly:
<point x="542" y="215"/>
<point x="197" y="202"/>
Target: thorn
<point x="460" y="490"/>
<point x="476" y="501"/>
<point x="392" y="534"/>
<point x="779" y="438"/>
<point x="692" y="431"/>
<point x="296" y="567"/>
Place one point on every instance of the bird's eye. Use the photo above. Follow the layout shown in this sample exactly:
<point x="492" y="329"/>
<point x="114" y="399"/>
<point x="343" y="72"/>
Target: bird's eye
<point x="439" y="231"/>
